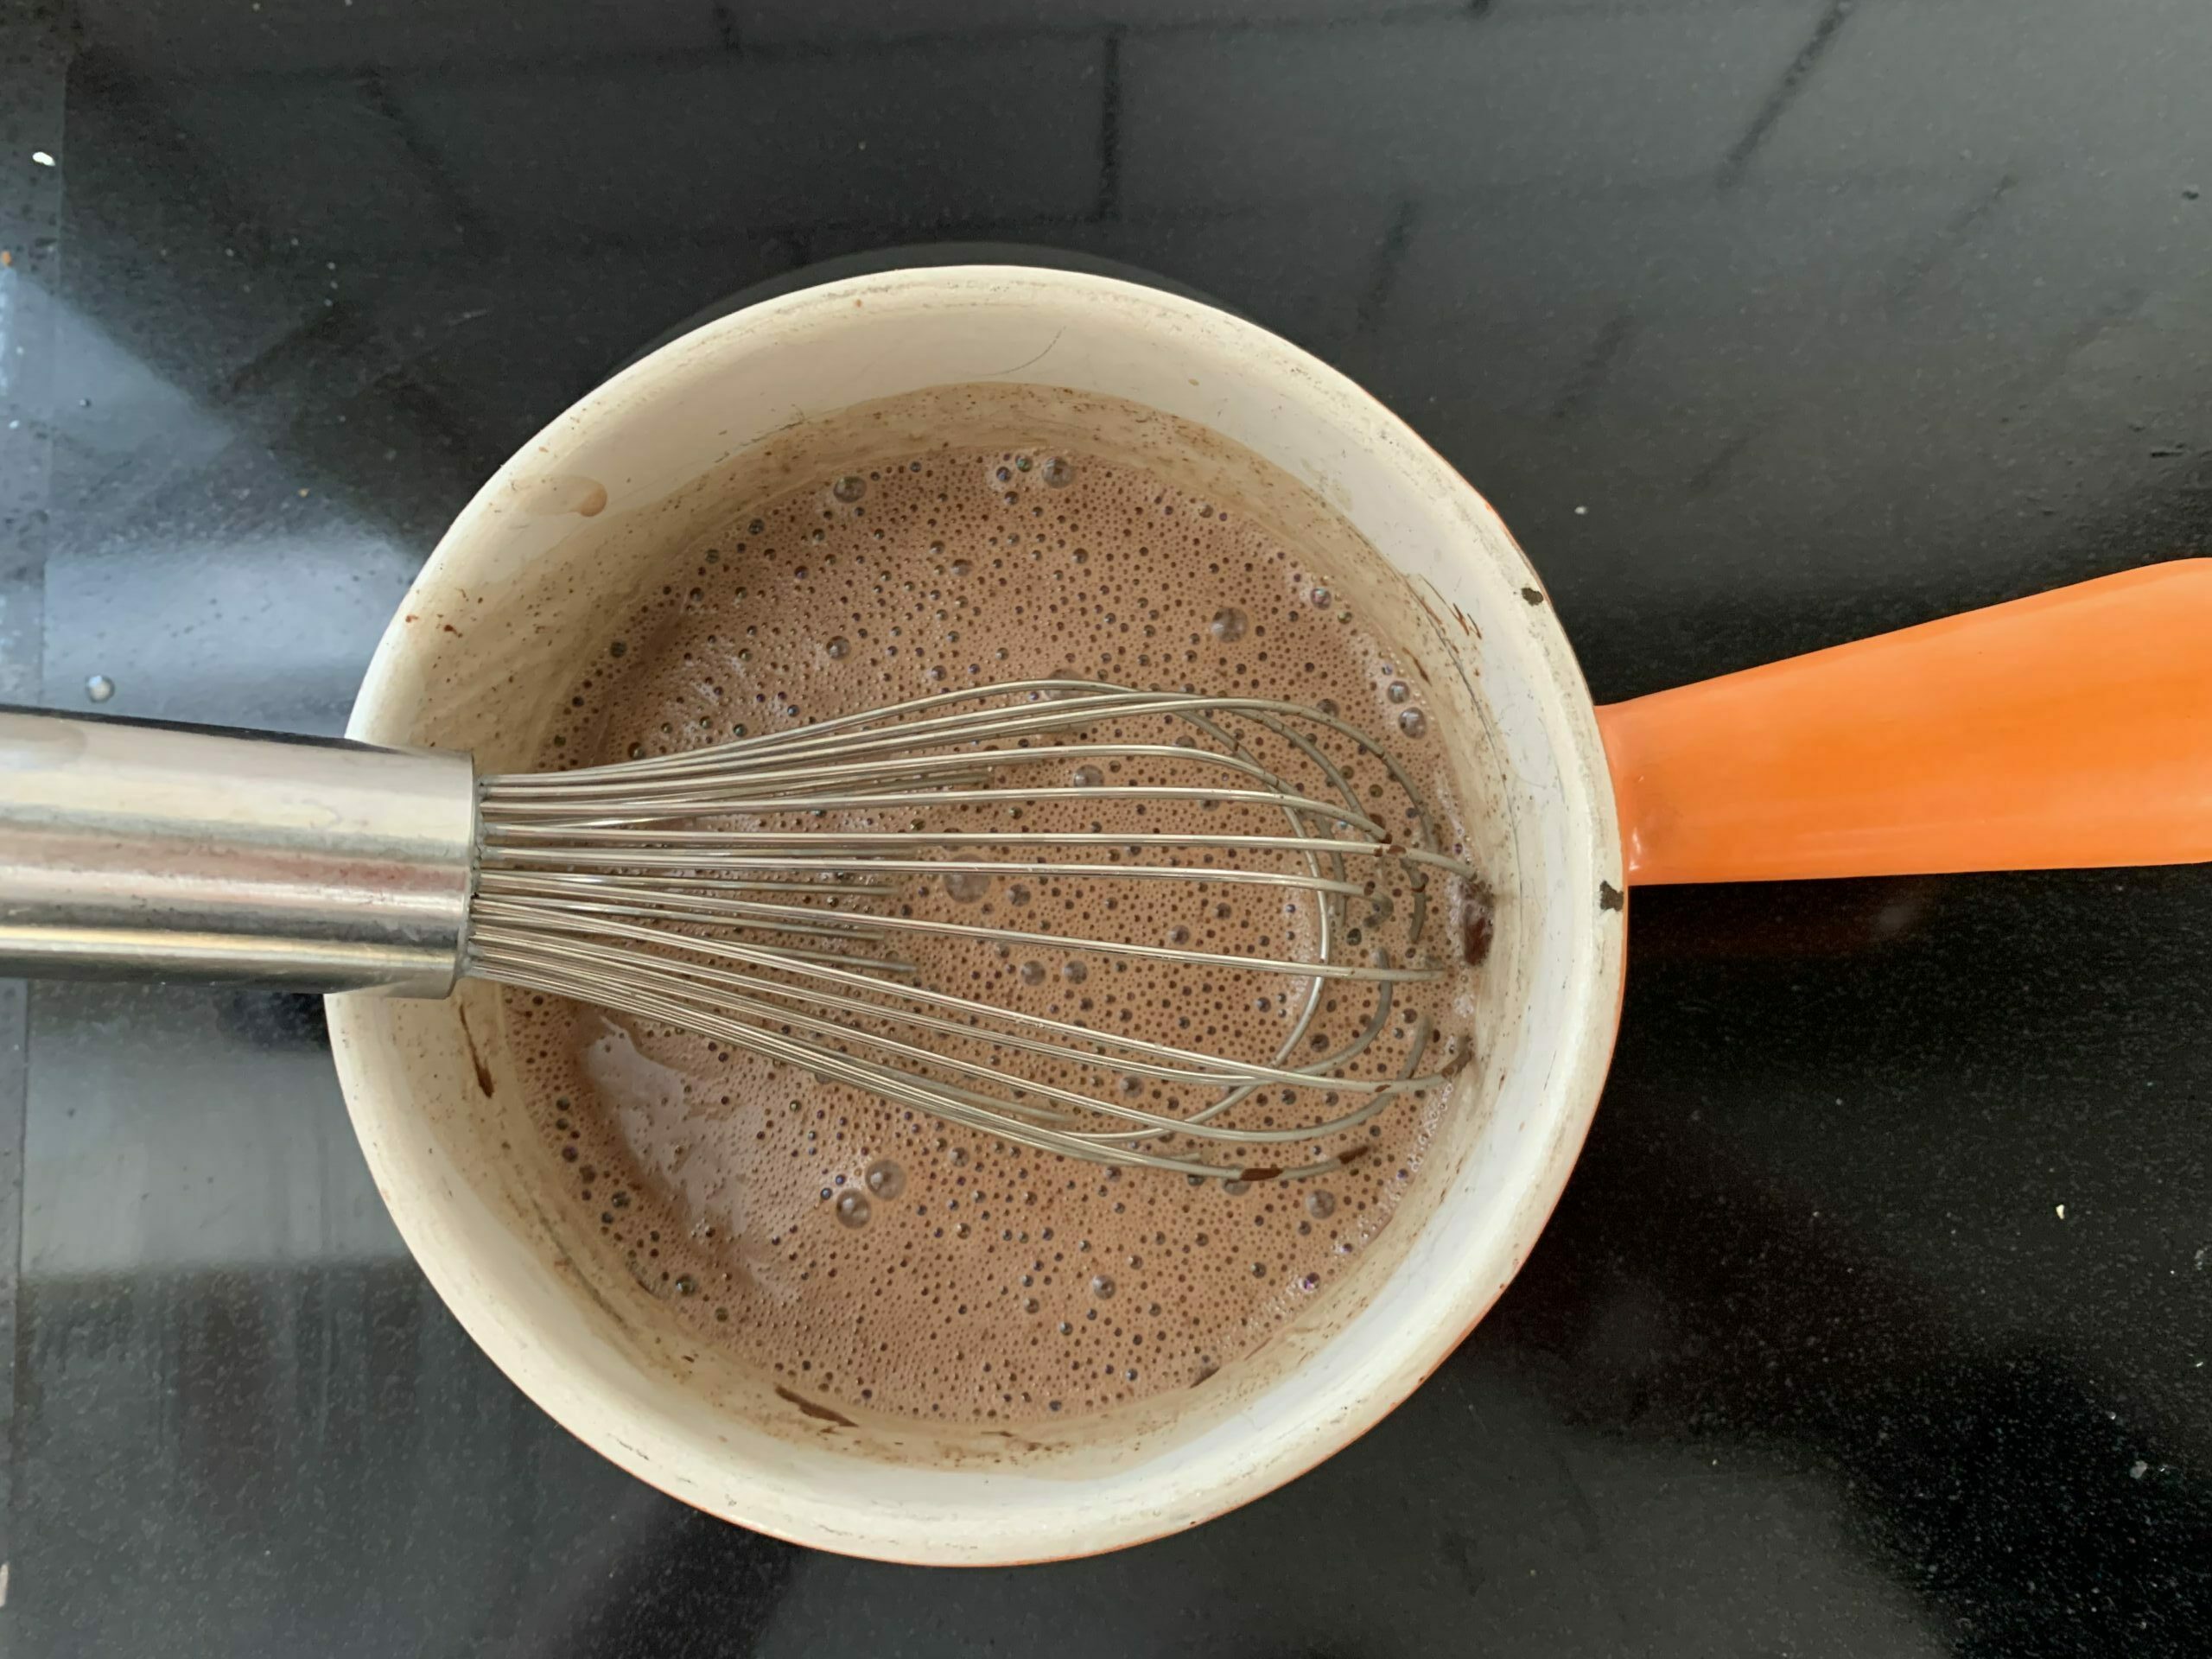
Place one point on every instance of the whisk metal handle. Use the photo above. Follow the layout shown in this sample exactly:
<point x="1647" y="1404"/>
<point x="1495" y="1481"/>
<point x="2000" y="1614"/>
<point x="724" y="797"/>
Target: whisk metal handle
<point x="132" y="850"/>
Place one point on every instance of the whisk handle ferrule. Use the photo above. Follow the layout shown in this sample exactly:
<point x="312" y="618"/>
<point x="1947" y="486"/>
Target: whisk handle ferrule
<point x="132" y="850"/>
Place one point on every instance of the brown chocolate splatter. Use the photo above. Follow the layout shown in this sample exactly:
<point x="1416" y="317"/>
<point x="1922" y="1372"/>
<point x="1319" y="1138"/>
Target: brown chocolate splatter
<point x="814" y="1409"/>
<point x="476" y="1057"/>
<point x="561" y="493"/>
<point x="1477" y="924"/>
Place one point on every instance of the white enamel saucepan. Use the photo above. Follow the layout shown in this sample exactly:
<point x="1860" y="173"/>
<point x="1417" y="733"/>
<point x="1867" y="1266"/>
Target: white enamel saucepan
<point x="2066" y="729"/>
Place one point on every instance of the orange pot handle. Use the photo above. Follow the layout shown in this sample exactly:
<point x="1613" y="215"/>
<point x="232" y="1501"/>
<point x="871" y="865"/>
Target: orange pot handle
<point x="2067" y="730"/>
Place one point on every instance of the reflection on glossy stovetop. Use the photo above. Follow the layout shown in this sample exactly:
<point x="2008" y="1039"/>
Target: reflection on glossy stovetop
<point x="1878" y="1316"/>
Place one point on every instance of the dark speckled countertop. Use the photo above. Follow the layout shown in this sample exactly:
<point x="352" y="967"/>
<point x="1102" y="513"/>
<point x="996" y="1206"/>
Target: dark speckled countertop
<point x="1877" y="1318"/>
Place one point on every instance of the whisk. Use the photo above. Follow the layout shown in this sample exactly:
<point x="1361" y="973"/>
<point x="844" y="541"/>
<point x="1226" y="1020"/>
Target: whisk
<point x="825" y="898"/>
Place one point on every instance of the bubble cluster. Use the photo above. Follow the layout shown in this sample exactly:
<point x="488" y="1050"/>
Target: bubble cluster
<point x="863" y="1254"/>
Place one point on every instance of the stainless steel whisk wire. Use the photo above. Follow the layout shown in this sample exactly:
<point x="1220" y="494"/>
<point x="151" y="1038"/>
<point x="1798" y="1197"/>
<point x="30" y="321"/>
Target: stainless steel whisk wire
<point x="596" y="884"/>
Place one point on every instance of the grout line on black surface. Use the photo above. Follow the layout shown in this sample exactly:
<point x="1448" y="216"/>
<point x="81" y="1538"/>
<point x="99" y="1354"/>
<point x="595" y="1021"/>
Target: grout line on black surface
<point x="1955" y="230"/>
<point x="377" y="91"/>
<point x="1715" y="467"/>
<point x="854" y="49"/>
<point x="1597" y="363"/>
<point x="1793" y="82"/>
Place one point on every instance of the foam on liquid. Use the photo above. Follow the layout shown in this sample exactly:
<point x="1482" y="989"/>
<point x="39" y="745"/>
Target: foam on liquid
<point x="875" y="1258"/>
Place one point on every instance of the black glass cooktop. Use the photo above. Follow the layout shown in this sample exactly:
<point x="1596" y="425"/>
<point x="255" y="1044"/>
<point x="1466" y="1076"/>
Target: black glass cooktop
<point x="1877" y="1318"/>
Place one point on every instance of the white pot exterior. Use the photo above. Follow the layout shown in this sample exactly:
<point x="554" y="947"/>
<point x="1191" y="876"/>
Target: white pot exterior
<point x="675" y="418"/>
